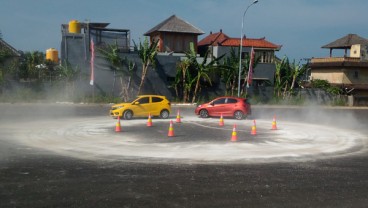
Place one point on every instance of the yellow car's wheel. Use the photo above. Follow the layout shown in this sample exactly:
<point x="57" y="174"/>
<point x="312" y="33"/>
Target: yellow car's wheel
<point x="128" y="114"/>
<point x="164" y="114"/>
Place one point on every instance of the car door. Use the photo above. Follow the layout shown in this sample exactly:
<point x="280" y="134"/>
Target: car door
<point x="141" y="106"/>
<point x="156" y="105"/>
<point x="230" y="106"/>
<point x="217" y="107"/>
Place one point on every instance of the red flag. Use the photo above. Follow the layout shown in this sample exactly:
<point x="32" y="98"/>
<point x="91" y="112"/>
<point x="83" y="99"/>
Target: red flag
<point x="250" y="72"/>
<point x="92" y="62"/>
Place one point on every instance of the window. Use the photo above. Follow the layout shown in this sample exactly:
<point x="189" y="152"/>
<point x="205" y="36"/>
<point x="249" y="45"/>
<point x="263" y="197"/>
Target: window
<point x="230" y="100"/>
<point x="219" y="101"/>
<point x="356" y="74"/>
<point x="143" y="100"/>
<point x="265" y="56"/>
<point x="156" y="99"/>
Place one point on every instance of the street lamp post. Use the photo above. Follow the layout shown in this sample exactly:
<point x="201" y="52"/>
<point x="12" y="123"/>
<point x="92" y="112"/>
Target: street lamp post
<point x="241" y="45"/>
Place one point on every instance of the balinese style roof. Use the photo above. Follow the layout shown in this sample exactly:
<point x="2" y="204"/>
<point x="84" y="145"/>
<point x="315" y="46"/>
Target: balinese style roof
<point x="6" y="46"/>
<point x="346" y="42"/>
<point x="251" y="42"/>
<point x="213" y="39"/>
<point x="176" y="25"/>
<point x="221" y="39"/>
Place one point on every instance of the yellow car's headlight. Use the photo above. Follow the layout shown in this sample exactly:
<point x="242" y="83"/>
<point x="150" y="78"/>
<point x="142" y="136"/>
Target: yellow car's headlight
<point x="117" y="107"/>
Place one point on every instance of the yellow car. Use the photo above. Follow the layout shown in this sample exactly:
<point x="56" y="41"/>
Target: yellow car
<point x="142" y="106"/>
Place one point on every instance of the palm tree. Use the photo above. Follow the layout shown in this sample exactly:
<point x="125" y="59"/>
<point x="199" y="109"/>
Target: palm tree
<point x="147" y="53"/>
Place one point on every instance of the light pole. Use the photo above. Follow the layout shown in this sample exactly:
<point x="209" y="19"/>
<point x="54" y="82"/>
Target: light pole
<point x="241" y="45"/>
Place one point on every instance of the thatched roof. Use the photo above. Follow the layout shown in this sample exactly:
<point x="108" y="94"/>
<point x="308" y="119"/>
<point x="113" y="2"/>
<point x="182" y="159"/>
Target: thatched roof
<point x="346" y="42"/>
<point x="175" y="24"/>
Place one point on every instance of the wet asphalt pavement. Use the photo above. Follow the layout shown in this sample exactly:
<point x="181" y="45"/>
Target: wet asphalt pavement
<point x="37" y="178"/>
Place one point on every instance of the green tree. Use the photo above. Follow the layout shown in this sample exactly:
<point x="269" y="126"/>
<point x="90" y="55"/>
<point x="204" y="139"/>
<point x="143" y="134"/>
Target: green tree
<point x="147" y="53"/>
<point x="280" y="76"/>
<point x="111" y="54"/>
<point x="4" y="55"/>
<point x="230" y="71"/>
<point x="31" y="65"/>
<point x="131" y="68"/>
<point x="296" y="71"/>
<point x="183" y="80"/>
<point x="121" y="67"/>
<point x="202" y="70"/>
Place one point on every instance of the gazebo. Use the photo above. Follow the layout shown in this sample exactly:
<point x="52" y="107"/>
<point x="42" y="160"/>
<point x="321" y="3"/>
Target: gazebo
<point x="346" y="42"/>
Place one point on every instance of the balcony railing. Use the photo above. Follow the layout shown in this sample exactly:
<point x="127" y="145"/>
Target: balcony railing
<point x="335" y="59"/>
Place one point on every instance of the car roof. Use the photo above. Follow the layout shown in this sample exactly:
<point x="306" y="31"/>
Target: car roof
<point x="231" y="97"/>
<point x="150" y="95"/>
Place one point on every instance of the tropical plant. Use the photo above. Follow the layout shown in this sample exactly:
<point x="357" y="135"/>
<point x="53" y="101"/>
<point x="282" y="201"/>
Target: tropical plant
<point x="230" y="71"/>
<point x="287" y="76"/>
<point x="147" y="53"/>
<point x="202" y="70"/>
<point x="280" y="76"/>
<point x="111" y="54"/>
<point x="32" y="65"/>
<point x="183" y="80"/>
<point x="4" y="55"/>
<point x="296" y="72"/>
<point x="325" y="85"/>
<point x="68" y="74"/>
<point x="125" y="88"/>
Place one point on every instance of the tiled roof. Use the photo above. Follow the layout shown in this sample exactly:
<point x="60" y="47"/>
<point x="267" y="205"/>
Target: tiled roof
<point x="175" y="24"/>
<point x="222" y="39"/>
<point x="250" y="42"/>
<point x="213" y="39"/>
<point x="346" y="42"/>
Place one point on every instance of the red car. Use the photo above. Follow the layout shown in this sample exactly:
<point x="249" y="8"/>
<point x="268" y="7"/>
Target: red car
<point x="235" y="107"/>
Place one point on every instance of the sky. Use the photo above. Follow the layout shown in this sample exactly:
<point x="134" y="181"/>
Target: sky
<point x="302" y="27"/>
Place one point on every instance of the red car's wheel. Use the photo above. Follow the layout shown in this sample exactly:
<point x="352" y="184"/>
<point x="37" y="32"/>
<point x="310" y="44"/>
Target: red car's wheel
<point x="203" y="113"/>
<point x="239" y="115"/>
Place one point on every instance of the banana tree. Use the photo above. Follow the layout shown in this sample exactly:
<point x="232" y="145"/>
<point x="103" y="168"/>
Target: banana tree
<point x="147" y="53"/>
<point x="111" y="54"/>
<point x="203" y="70"/>
<point x="280" y="76"/>
<point x="183" y="80"/>
<point x="230" y="72"/>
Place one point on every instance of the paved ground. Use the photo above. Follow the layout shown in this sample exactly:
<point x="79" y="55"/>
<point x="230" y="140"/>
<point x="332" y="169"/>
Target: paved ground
<point x="53" y="156"/>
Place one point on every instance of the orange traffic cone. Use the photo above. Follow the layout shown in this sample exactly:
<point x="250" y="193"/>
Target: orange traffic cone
<point x="149" y="121"/>
<point x="118" y="126"/>
<point x="234" y="137"/>
<point x="254" y="128"/>
<point x="178" y="118"/>
<point x="274" y="127"/>
<point x="171" y="130"/>
<point x="221" y="123"/>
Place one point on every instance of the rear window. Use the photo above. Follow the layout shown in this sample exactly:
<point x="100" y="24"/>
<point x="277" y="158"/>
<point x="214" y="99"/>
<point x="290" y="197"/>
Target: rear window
<point x="230" y="100"/>
<point x="156" y="99"/>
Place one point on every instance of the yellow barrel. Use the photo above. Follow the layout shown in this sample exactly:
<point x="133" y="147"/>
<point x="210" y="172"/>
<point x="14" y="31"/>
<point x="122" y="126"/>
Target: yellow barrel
<point x="74" y="26"/>
<point x="52" y="55"/>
